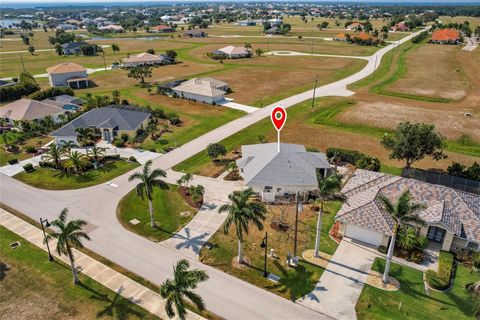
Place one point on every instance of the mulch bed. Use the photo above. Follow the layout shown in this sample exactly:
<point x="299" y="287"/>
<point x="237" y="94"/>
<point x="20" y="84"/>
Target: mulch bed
<point x="233" y="176"/>
<point x="188" y="198"/>
<point x="375" y="280"/>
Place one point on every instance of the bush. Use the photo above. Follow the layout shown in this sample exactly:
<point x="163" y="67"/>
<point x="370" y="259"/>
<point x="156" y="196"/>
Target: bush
<point x="420" y="37"/>
<point x="51" y="92"/>
<point x="30" y="149"/>
<point x="368" y="163"/>
<point x="214" y="150"/>
<point x="132" y="159"/>
<point x="124" y="138"/>
<point x="119" y="143"/>
<point x="350" y="156"/>
<point x="26" y="86"/>
<point x="28" y="167"/>
<point x="13" y="161"/>
<point x="382" y="249"/>
<point x="441" y="280"/>
<point x="152" y="150"/>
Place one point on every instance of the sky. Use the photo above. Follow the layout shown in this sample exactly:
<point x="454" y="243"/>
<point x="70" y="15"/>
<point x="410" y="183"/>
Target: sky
<point x="146" y="1"/>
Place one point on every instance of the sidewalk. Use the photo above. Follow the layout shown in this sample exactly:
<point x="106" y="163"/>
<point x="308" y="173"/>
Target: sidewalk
<point x="117" y="282"/>
<point x="12" y="169"/>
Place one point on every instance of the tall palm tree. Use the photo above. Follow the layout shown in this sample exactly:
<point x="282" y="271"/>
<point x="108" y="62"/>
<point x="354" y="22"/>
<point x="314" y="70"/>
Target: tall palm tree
<point x="402" y="212"/>
<point x="85" y="136"/>
<point x="328" y="189"/>
<point x="180" y="287"/>
<point x="54" y="155"/>
<point x="68" y="145"/>
<point x="69" y="235"/>
<point x="76" y="162"/>
<point x="149" y="179"/>
<point x="243" y="210"/>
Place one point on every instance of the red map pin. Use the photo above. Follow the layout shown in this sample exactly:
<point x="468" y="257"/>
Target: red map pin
<point x="279" y="117"/>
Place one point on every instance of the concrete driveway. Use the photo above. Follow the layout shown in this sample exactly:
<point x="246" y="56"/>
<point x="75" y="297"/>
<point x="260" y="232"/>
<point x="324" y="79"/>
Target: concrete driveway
<point x="340" y="285"/>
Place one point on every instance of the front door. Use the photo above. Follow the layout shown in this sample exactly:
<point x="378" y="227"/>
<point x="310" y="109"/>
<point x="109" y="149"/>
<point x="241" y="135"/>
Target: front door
<point x="106" y="135"/>
<point x="436" y="234"/>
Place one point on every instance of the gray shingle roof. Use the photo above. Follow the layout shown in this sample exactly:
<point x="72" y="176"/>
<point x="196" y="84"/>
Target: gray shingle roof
<point x="455" y="210"/>
<point x="73" y="45"/>
<point x="107" y="117"/>
<point x="293" y="165"/>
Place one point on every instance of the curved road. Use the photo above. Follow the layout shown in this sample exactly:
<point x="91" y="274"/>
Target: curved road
<point x="225" y="295"/>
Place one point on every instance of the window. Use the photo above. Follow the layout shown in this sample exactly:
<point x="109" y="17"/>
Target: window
<point x="472" y="245"/>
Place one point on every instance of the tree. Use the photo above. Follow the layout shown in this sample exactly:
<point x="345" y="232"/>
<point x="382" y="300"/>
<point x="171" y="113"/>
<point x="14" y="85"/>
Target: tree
<point x="68" y="145"/>
<point x="406" y="238"/>
<point x="151" y="51"/>
<point x="116" y="96"/>
<point x="196" y="192"/>
<point x="185" y="179"/>
<point x="68" y="236"/>
<point x="31" y="49"/>
<point x="180" y="287"/>
<point x="96" y="153"/>
<point x="54" y="155"/>
<point x="171" y="55"/>
<point x="241" y="211"/>
<point x="247" y="45"/>
<point x="414" y="141"/>
<point x="84" y="136"/>
<point x="59" y="49"/>
<point x="148" y="180"/>
<point x="76" y="162"/>
<point x="214" y="150"/>
<point x="402" y="212"/>
<point x="140" y="73"/>
<point x="259" y="52"/>
<point x="328" y="189"/>
<point x="115" y="48"/>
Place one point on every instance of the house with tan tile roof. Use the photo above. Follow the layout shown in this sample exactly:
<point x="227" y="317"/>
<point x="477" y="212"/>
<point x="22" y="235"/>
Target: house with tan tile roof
<point x="452" y="217"/>
<point x="232" y="52"/>
<point x="29" y="110"/>
<point x="143" y="59"/>
<point x="68" y="74"/>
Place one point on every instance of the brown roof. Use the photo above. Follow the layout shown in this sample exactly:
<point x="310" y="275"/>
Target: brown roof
<point x="27" y="109"/>
<point x="446" y="35"/>
<point x="66" y="67"/>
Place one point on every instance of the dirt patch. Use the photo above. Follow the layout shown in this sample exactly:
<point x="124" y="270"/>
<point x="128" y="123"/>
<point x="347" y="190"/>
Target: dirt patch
<point x="321" y="261"/>
<point x="242" y="265"/>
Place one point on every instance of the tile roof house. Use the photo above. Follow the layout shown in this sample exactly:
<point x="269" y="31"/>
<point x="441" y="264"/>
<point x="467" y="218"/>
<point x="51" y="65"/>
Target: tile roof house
<point x="108" y="123"/>
<point x="452" y="216"/>
<point x="272" y="173"/>
<point x="195" y="33"/>
<point x="162" y="28"/>
<point x="143" y="59"/>
<point x="29" y="110"/>
<point x="112" y="28"/>
<point x="232" y="52"/>
<point x="68" y="74"/>
<point x="445" y="36"/>
<point x="354" y="26"/>
<point x="206" y="90"/>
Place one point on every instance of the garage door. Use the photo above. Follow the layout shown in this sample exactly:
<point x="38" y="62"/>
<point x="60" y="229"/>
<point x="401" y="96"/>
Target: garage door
<point x="364" y="235"/>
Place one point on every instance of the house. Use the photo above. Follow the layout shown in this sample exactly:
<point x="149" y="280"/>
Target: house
<point x="445" y="36"/>
<point x="206" y="90"/>
<point x="144" y="59"/>
<point x="354" y="26"/>
<point x="452" y="216"/>
<point x="249" y="22"/>
<point x="195" y="33"/>
<point x="162" y="29"/>
<point x="74" y="47"/>
<point x="274" y="30"/>
<point x="272" y="173"/>
<point x="29" y="110"/>
<point x="67" y="27"/>
<point x="107" y="123"/>
<point x="232" y="52"/>
<point x="112" y="28"/>
<point x="65" y="101"/>
<point x="340" y="37"/>
<point x="68" y="74"/>
<point x="399" y="27"/>
<point x="275" y="22"/>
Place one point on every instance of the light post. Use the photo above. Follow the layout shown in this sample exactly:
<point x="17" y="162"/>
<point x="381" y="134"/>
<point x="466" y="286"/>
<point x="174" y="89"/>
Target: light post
<point x="47" y="224"/>
<point x="298" y="208"/>
<point x="264" y="245"/>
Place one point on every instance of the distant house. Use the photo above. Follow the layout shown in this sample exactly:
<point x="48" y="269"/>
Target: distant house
<point x="399" y="27"/>
<point x="29" y="110"/>
<point x="162" y="29"/>
<point x="206" y="90"/>
<point x="65" y="101"/>
<point x="354" y="26"/>
<point x="143" y="59"/>
<point x="74" y="47"/>
<point x="445" y="36"/>
<point x="112" y="28"/>
<point x="68" y="74"/>
<point x="195" y="33"/>
<point x="67" y="27"/>
<point x="272" y="173"/>
<point x="249" y="22"/>
<point x="275" y="22"/>
<point x="274" y="30"/>
<point x="231" y="52"/>
<point x="108" y="123"/>
<point x="340" y="37"/>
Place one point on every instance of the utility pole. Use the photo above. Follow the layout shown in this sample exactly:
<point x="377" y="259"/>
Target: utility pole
<point x="314" y="88"/>
<point x="296" y="224"/>
<point x="23" y="65"/>
<point x="104" y="64"/>
<point x="375" y="67"/>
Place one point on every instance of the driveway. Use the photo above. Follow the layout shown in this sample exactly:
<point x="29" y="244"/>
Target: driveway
<point x="340" y="285"/>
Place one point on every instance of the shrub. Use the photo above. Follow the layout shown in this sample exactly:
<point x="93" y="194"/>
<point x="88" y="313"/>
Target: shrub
<point x="368" y="163"/>
<point x="13" y="161"/>
<point x="420" y="37"/>
<point x="30" y="149"/>
<point x="28" y="167"/>
<point x="312" y="149"/>
<point x="26" y="86"/>
<point x="51" y="92"/>
<point x="350" y="156"/>
<point x="124" y="138"/>
<point x="382" y="249"/>
<point x="132" y="159"/>
<point x="152" y="150"/>
<point x="119" y="143"/>
<point x="441" y="280"/>
<point x="214" y="150"/>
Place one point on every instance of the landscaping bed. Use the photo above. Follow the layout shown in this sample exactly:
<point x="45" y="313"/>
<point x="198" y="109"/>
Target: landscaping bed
<point x="171" y="213"/>
<point x="441" y="280"/>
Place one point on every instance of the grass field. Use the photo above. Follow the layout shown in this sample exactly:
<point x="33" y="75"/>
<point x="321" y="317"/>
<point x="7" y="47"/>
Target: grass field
<point x="52" y="179"/>
<point x="411" y="302"/>
<point x="294" y="283"/>
<point x="474" y="21"/>
<point x="168" y="208"/>
<point x="31" y="287"/>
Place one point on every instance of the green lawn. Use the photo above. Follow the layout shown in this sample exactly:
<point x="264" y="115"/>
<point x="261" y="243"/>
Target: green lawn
<point x="415" y="304"/>
<point x="21" y="155"/>
<point x="32" y="287"/>
<point x="52" y="179"/>
<point x="168" y="206"/>
<point x="294" y="282"/>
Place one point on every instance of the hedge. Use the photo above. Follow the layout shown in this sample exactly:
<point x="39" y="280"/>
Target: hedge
<point x="17" y="91"/>
<point x="28" y="167"/>
<point x="360" y="160"/>
<point x="51" y="92"/>
<point x="441" y="280"/>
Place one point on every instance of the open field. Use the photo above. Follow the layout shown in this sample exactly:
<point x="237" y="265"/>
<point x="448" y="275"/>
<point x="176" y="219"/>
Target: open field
<point x="294" y="282"/>
<point x="474" y="21"/>
<point x="34" y="288"/>
<point x="411" y="302"/>
<point x="171" y="213"/>
<point x="297" y="22"/>
<point x="14" y="43"/>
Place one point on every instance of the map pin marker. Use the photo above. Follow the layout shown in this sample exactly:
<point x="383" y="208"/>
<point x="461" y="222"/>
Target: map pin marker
<point x="278" y="117"/>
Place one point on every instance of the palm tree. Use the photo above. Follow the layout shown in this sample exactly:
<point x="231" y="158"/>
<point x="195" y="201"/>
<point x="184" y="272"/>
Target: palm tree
<point x="248" y="45"/>
<point x="85" y="136"/>
<point x="180" y="287"/>
<point x="69" y="236"/>
<point x="328" y="189"/>
<point x="68" y="145"/>
<point x="149" y="179"/>
<point x="197" y="192"/>
<point x="54" y="155"/>
<point x="241" y="211"/>
<point x="96" y="152"/>
<point x="76" y="162"/>
<point x="402" y="212"/>
<point x="115" y="48"/>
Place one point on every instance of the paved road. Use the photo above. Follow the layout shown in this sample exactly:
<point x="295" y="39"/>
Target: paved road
<point x="471" y="44"/>
<point x="225" y="295"/>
